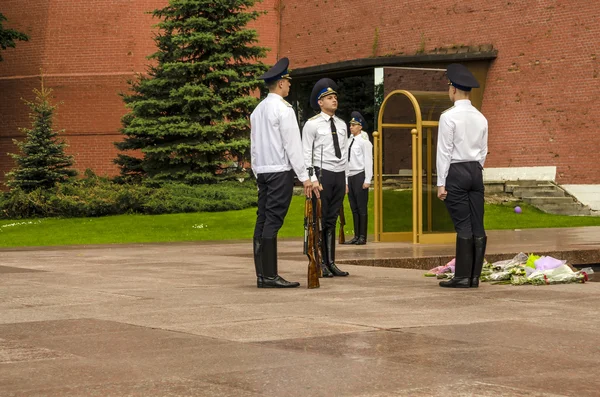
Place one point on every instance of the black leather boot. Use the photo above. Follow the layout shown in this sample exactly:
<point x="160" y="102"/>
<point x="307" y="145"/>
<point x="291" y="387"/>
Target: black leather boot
<point x="330" y="254"/>
<point x="479" y="244"/>
<point x="362" y="236"/>
<point x="325" y="272"/>
<point x="269" y="262"/>
<point x="464" y="264"/>
<point x="257" y="243"/>
<point x="356" y="229"/>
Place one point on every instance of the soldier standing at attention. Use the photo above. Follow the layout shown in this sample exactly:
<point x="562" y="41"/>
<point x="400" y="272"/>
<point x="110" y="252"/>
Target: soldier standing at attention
<point x="461" y="152"/>
<point x="276" y="153"/>
<point x="360" y="173"/>
<point x="324" y="141"/>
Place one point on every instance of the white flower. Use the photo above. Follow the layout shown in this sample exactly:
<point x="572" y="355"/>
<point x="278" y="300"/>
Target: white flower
<point x="22" y="223"/>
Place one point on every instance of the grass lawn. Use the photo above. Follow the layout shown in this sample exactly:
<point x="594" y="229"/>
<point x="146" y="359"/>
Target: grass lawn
<point x="240" y="224"/>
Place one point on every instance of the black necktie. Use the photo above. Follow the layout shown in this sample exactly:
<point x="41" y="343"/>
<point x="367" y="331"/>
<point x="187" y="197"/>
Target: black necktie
<point x="336" y="142"/>
<point x="350" y="148"/>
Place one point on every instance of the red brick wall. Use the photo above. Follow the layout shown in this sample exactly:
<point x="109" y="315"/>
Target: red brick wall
<point x="541" y="97"/>
<point x="543" y="91"/>
<point x="87" y="51"/>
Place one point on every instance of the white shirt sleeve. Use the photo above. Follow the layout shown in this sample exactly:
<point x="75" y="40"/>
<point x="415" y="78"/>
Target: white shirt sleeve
<point x="484" y="146"/>
<point x="308" y="138"/>
<point x="292" y="144"/>
<point x="368" y="156"/>
<point x="445" y="146"/>
<point x="252" y="147"/>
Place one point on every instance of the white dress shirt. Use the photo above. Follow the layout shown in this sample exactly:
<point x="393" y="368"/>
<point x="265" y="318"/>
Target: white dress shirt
<point x="462" y="137"/>
<point x="317" y="134"/>
<point x="361" y="158"/>
<point x="275" y="143"/>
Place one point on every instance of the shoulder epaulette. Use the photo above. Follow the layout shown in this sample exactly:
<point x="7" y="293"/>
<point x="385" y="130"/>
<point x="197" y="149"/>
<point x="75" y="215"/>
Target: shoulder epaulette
<point x="314" y="117"/>
<point x="286" y="103"/>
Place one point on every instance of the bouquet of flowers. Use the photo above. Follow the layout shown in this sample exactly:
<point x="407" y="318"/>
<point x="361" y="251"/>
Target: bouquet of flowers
<point x="518" y="260"/>
<point x="522" y="269"/>
<point x="496" y="276"/>
<point x="531" y="261"/>
<point x="447" y="268"/>
<point x="560" y="275"/>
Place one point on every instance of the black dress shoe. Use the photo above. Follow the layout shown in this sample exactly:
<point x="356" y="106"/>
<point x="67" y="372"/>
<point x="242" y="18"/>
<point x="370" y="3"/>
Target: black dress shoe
<point x="475" y="282"/>
<point x="336" y="271"/>
<point x="353" y="241"/>
<point x="456" y="282"/>
<point x="278" y="282"/>
<point x="361" y="240"/>
<point x="260" y="281"/>
<point x="326" y="271"/>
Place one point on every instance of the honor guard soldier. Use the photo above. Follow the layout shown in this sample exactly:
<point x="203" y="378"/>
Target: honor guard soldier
<point x="276" y="152"/>
<point x="324" y="139"/>
<point x="360" y="173"/>
<point x="461" y="152"/>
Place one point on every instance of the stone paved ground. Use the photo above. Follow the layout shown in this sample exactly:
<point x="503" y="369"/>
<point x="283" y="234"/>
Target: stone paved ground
<point x="187" y="320"/>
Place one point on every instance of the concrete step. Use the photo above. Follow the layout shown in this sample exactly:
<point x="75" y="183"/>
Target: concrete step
<point x="523" y="183"/>
<point x="547" y="197"/>
<point x="565" y="210"/>
<point x="511" y="186"/>
<point x="492" y="187"/>
<point x="526" y="192"/>
<point x="537" y="201"/>
<point x="558" y="205"/>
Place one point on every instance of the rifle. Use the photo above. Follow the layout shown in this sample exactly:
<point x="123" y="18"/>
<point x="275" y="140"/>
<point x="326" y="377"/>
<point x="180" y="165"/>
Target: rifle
<point x="342" y="236"/>
<point x="319" y="235"/>
<point x="309" y="244"/>
<point x="319" y="222"/>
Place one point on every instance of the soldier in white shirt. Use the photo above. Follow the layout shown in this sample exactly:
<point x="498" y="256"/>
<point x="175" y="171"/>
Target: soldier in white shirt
<point x="276" y="152"/>
<point x="461" y="152"/>
<point x="360" y="173"/>
<point x="324" y="141"/>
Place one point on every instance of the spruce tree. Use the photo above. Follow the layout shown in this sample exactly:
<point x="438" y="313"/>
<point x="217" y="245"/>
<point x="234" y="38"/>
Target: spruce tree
<point x="8" y="36"/>
<point x="190" y="115"/>
<point x="42" y="162"/>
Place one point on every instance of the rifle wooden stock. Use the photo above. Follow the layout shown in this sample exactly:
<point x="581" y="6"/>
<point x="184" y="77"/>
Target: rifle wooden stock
<point x="309" y="244"/>
<point x="342" y="236"/>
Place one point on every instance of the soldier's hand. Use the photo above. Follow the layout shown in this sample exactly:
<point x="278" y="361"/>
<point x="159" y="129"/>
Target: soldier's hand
<point x="366" y="185"/>
<point x="316" y="188"/>
<point x="308" y="186"/>
<point x="347" y="190"/>
<point x="442" y="193"/>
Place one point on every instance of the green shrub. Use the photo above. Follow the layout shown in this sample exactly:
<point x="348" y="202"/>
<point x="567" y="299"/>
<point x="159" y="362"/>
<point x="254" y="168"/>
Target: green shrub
<point x="94" y="196"/>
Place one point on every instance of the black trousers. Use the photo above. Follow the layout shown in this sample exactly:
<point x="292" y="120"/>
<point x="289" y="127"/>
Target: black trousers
<point x="332" y="196"/>
<point x="464" y="200"/>
<point x="274" y="198"/>
<point x="358" y="197"/>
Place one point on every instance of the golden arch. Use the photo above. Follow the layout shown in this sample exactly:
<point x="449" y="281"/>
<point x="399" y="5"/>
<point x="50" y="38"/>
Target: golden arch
<point x="417" y="112"/>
